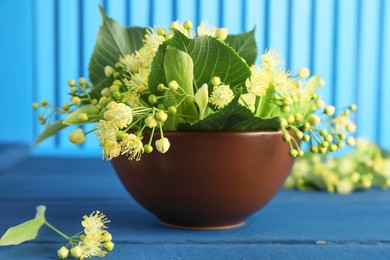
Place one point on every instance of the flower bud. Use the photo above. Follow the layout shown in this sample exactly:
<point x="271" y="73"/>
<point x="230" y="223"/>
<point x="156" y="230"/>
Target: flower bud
<point x="329" y="110"/>
<point x="103" y="101"/>
<point x="162" y="145"/>
<point x="65" y="106"/>
<point x="168" y="36"/>
<point x="290" y="119"/>
<point x="314" y="149"/>
<point x="351" y="127"/>
<point x="328" y="138"/>
<point x="353" y="107"/>
<point x="43" y="102"/>
<point x="298" y="117"/>
<point x="174" y="25"/>
<point x="161" y="116"/>
<point x="293" y="153"/>
<point x="114" y="88"/>
<point x="107" y="236"/>
<point x="283" y="122"/>
<point x="82" y="81"/>
<point x="76" y="101"/>
<point x="148" y="148"/>
<point x="306" y="126"/>
<point x="161" y="87"/>
<point x="151" y="122"/>
<point x="299" y="134"/>
<point x="351" y="141"/>
<point x="63" y="253"/>
<point x="314" y="120"/>
<point x="333" y="147"/>
<point x="73" y="91"/>
<point x="77" y="136"/>
<point x="94" y="101"/>
<point x="109" y="246"/>
<point x="221" y="34"/>
<point x="300" y="153"/>
<point x="303" y="73"/>
<point x="72" y="83"/>
<point x="108" y="70"/>
<point x="152" y="99"/>
<point x="83" y="117"/>
<point x="76" y="252"/>
<point x="288" y="101"/>
<point x="105" y="92"/>
<point x="161" y="31"/>
<point x="173" y="85"/>
<point x="286" y="137"/>
<point x="286" y="109"/>
<point x="320" y="103"/>
<point x="306" y="138"/>
<point x="216" y="81"/>
<point x="172" y="110"/>
<point x="188" y="25"/>
<point x="35" y="105"/>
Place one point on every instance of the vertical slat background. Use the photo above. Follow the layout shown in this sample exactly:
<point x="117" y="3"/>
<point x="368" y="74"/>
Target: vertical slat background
<point x="346" y="41"/>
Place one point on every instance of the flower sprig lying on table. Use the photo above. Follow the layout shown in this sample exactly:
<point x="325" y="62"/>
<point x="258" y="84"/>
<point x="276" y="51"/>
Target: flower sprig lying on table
<point x="147" y="81"/>
<point x="365" y="167"/>
<point x="93" y="241"/>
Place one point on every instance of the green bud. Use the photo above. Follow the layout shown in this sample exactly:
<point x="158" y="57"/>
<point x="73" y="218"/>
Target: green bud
<point x="116" y="75"/>
<point x="65" y="106"/>
<point x="73" y="91"/>
<point x="103" y="101"/>
<point x="148" y="148"/>
<point x="117" y="82"/>
<point x="221" y="34"/>
<point x="161" y="87"/>
<point x="152" y="99"/>
<point x="83" y="117"/>
<point x="323" y="150"/>
<point x="353" y="107"/>
<point x="351" y="141"/>
<point x="161" y="31"/>
<point x="216" y="81"/>
<point x="323" y="132"/>
<point x="77" y="136"/>
<point x="82" y="81"/>
<point x="286" y="109"/>
<point x="188" y="25"/>
<point x="107" y="236"/>
<point x="293" y="153"/>
<point x="173" y="85"/>
<point x="288" y="101"/>
<point x="108" y="71"/>
<point x="298" y="117"/>
<point x="43" y="102"/>
<point x="306" y="126"/>
<point x="174" y="25"/>
<point x="105" y="92"/>
<point x="63" y="253"/>
<point x="35" y="105"/>
<point x="151" y="122"/>
<point x="283" y="122"/>
<point x="340" y="144"/>
<point x="161" y="116"/>
<point x="299" y="134"/>
<point x="168" y="36"/>
<point x="76" y="252"/>
<point x="119" y="136"/>
<point x="314" y="120"/>
<point x="114" y="88"/>
<point x="325" y="144"/>
<point x="303" y="73"/>
<point x="314" y="149"/>
<point x="351" y="127"/>
<point x="290" y="119"/>
<point x="286" y="137"/>
<point x="117" y="96"/>
<point x="72" y="83"/>
<point x="333" y="147"/>
<point x="109" y="246"/>
<point x="306" y="138"/>
<point x="300" y="153"/>
<point x="172" y="110"/>
<point x="328" y="138"/>
<point x="94" y="101"/>
<point x="119" y="65"/>
<point x="330" y="110"/>
<point x="320" y="103"/>
<point x="342" y="136"/>
<point x="76" y="101"/>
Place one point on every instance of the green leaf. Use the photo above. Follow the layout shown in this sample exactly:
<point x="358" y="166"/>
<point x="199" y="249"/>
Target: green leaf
<point x="97" y="89"/>
<point x="210" y="57"/>
<point x="25" y="231"/>
<point x="233" y="117"/>
<point x="201" y="99"/>
<point x="91" y="111"/>
<point x="112" y="41"/>
<point x="50" y="130"/>
<point x="245" y="45"/>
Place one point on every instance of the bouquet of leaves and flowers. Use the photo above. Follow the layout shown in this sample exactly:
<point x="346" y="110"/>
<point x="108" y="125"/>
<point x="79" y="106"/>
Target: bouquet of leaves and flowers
<point x="146" y="81"/>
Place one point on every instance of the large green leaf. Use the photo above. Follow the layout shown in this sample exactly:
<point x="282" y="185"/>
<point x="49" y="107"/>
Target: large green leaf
<point x="50" y="130"/>
<point x="233" y="117"/>
<point x="211" y="58"/>
<point x="112" y="41"/>
<point x="25" y="231"/>
<point x="245" y="45"/>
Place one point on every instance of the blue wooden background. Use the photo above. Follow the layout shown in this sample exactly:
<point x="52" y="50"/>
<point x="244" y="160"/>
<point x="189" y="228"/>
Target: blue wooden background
<point x="46" y="42"/>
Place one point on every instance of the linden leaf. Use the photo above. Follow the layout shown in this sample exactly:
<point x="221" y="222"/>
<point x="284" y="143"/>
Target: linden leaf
<point x="25" y="231"/>
<point x="245" y="45"/>
<point x="50" y="130"/>
<point x="112" y="41"/>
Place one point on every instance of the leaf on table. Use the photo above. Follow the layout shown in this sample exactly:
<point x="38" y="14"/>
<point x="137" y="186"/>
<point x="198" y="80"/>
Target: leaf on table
<point x="233" y="117"/>
<point x="245" y="45"/>
<point x="210" y="58"/>
<point x="50" y="129"/>
<point x="91" y="111"/>
<point x="113" y="40"/>
<point x="25" y="231"/>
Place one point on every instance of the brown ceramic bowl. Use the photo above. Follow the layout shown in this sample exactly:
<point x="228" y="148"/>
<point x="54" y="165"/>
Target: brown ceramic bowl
<point x="208" y="180"/>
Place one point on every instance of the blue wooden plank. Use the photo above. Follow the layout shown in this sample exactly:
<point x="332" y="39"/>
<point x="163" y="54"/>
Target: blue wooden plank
<point x="385" y="95"/>
<point x="323" y="46"/>
<point x="16" y="70"/>
<point x="45" y="63"/>
<point x="346" y="58"/>
<point x="367" y="87"/>
<point x="186" y="10"/>
<point x="209" y="10"/>
<point x="139" y="13"/>
<point x="255" y="18"/>
<point x="232" y="10"/>
<point x="162" y="13"/>
<point x="117" y="10"/>
<point x="300" y="32"/>
<point x="277" y="31"/>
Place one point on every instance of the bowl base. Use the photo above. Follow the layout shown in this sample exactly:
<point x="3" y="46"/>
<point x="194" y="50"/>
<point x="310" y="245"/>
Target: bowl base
<point x="171" y="225"/>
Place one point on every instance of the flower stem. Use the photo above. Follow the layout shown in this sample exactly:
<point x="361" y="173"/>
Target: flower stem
<point x="57" y="231"/>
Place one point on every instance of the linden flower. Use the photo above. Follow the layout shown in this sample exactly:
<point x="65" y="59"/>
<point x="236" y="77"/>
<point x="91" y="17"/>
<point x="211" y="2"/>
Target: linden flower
<point x="132" y="99"/>
<point x="94" y="223"/>
<point x="206" y="29"/>
<point x="138" y="82"/>
<point x="132" y="146"/>
<point x="111" y="149"/>
<point x="119" y="114"/>
<point x="259" y="81"/>
<point x="271" y="60"/>
<point x="343" y="123"/>
<point x="106" y="131"/>
<point x="221" y="96"/>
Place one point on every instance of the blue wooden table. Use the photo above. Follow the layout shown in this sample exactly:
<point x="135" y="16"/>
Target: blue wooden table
<point x="294" y="225"/>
